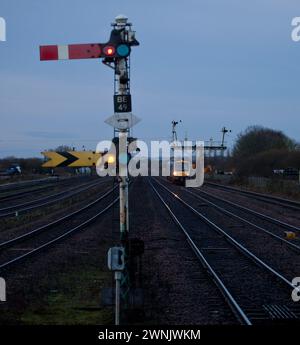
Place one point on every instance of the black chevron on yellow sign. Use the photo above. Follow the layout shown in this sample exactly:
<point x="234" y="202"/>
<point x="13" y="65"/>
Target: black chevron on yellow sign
<point x="71" y="159"/>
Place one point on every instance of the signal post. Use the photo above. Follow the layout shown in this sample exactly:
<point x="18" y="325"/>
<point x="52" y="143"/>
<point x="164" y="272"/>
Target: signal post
<point x="115" y="54"/>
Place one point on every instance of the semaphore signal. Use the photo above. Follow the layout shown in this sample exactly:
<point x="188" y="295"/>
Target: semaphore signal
<point x="114" y="54"/>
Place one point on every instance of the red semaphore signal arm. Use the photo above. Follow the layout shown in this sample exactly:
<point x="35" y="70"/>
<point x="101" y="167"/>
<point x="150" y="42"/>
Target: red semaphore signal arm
<point x="71" y="51"/>
<point x="83" y="51"/>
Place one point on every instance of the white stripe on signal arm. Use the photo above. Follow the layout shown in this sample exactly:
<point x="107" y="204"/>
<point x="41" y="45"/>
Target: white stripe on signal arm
<point x="63" y="52"/>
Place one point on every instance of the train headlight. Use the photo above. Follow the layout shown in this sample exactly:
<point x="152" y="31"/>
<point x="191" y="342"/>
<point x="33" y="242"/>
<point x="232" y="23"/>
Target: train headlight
<point x="111" y="159"/>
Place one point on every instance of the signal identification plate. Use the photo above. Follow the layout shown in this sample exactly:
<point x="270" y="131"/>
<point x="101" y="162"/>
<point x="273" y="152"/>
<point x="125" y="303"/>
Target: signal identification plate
<point x="122" y="103"/>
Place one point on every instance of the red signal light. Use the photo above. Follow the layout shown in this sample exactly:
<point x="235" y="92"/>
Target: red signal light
<point x="109" y="50"/>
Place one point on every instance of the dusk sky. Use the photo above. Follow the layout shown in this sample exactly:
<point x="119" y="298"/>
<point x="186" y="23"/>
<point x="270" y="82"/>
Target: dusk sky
<point x="209" y="63"/>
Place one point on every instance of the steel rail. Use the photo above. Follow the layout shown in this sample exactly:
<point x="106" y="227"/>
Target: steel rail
<point x="27" y="235"/>
<point x="38" y="189"/>
<point x="84" y="185"/>
<point x="235" y="307"/>
<point x="258" y="214"/>
<point x="294" y="205"/>
<point x="223" y="210"/>
<point x="39" y="249"/>
<point x="231" y="240"/>
<point x="65" y="195"/>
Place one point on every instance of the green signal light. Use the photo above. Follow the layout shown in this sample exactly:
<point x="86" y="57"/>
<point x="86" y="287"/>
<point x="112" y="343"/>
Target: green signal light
<point x="123" y="158"/>
<point x="123" y="50"/>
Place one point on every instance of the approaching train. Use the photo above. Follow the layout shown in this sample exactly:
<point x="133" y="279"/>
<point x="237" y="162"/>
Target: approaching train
<point x="181" y="170"/>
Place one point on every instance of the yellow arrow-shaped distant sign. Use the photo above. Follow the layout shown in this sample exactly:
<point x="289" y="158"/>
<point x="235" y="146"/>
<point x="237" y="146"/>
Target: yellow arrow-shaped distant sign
<point x="71" y="159"/>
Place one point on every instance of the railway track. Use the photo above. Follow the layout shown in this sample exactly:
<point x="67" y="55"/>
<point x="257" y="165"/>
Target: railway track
<point x="47" y="200"/>
<point x="256" y="292"/>
<point x="21" y="188"/>
<point x="263" y="217"/>
<point x="13" y="194"/>
<point x="286" y="203"/>
<point x="39" y="239"/>
<point x="266" y="240"/>
<point x="21" y="184"/>
<point x="242" y="221"/>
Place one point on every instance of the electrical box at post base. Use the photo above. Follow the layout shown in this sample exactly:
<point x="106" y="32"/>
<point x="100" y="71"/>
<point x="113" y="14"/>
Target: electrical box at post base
<point x="116" y="259"/>
<point x="122" y="103"/>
